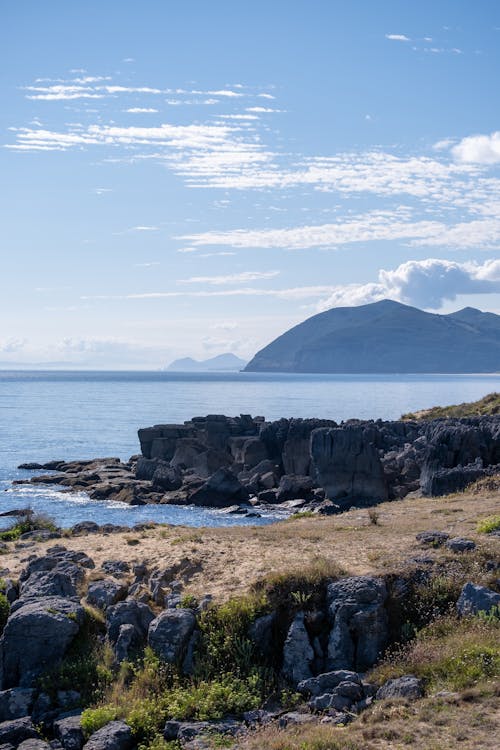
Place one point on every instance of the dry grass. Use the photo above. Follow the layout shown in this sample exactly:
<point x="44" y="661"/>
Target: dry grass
<point x="490" y="404"/>
<point x="470" y="720"/>
<point x="225" y="562"/>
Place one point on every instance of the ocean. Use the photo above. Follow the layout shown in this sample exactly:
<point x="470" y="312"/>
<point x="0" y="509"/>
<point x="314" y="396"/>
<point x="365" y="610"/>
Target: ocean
<point x="47" y="415"/>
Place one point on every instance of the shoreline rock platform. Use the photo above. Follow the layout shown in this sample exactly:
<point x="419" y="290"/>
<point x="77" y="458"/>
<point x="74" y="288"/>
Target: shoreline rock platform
<point x="238" y="464"/>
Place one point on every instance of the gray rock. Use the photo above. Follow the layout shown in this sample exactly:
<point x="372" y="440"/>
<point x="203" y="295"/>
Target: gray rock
<point x="326" y="682"/>
<point x="15" y="703"/>
<point x="85" y="527"/>
<point x="116" y="568"/>
<point x="170" y="633"/>
<point x="16" y="731"/>
<point x="261" y="634"/>
<point x="359" y="622"/>
<point x="298" y="654"/>
<point x="346" y="463"/>
<point x="296" y="718"/>
<point x="320" y="702"/>
<point x="103" y="594"/>
<point x="292" y="487"/>
<point x="114" y="736"/>
<point x="432" y="538"/>
<point x="221" y="489"/>
<point x="34" y="744"/>
<point x="474" y="599"/>
<point x="190" y="730"/>
<point x="167" y="477"/>
<point x="36" y="638"/>
<point x="459" y="544"/>
<point x="68" y="731"/>
<point x="48" y="583"/>
<point x="68" y="698"/>
<point x="126" y="643"/>
<point x="10" y="590"/>
<point x="408" y="686"/>
<point x="129" y="612"/>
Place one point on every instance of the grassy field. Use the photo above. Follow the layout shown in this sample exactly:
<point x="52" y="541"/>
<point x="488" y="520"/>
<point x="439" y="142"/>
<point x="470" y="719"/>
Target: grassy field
<point x="490" y="404"/>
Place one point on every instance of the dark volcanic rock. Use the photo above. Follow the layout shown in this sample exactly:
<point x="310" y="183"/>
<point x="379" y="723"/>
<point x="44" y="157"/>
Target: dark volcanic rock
<point x="221" y="489"/>
<point x="347" y="465"/>
<point x="36" y="638"/>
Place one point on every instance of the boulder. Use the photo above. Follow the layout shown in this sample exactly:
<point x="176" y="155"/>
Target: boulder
<point x="48" y="583"/>
<point x="85" y="527"/>
<point x="298" y="654"/>
<point x="129" y="612"/>
<point x="261" y="633"/>
<point x="166" y="477"/>
<point x="459" y="544"/>
<point x="16" y="731"/>
<point x="102" y="594"/>
<point x="359" y="624"/>
<point x="170" y="633"/>
<point x="113" y="736"/>
<point x="15" y="703"/>
<point x="409" y="687"/>
<point x="432" y="538"/>
<point x="327" y="682"/>
<point x="127" y="642"/>
<point x="474" y="599"/>
<point x="36" y="638"/>
<point x="346" y="463"/>
<point x="116" y="568"/>
<point x="68" y="730"/>
<point x="293" y="487"/>
<point x="34" y="744"/>
<point x="221" y="489"/>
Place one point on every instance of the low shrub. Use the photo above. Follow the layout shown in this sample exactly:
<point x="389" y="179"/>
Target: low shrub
<point x="29" y="521"/>
<point x="449" y="654"/>
<point x="96" y="718"/>
<point x="487" y="525"/>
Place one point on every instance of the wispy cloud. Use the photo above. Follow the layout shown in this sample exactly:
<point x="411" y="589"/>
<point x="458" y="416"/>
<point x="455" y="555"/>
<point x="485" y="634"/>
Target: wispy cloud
<point x="291" y="293"/>
<point x="235" y="278"/>
<point x="398" y="37"/>
<point x="141" y="110"/>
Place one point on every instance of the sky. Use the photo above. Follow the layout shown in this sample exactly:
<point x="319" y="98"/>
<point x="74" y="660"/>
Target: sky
<point x="191" y="178"/>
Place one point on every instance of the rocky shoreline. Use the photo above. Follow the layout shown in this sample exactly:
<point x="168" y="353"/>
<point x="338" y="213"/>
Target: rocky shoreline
<point x="239" y="464"/>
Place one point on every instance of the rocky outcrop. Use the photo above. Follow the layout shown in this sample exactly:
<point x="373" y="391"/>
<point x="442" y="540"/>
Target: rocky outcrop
<point x="359" y="622"/>
<point x="474" y="599"/>
<point x="36" y="637"/>
<point x="218" y="461"/>
<point x="170" y="633"/>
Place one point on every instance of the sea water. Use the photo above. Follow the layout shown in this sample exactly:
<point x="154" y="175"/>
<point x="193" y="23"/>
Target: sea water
<point x="79" y="415"/>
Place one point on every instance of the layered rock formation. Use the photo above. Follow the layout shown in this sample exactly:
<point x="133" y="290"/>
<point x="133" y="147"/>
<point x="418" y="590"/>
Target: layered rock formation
<point x="240" y="462"/>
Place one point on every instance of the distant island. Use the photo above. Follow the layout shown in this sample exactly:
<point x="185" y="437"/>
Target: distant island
<point x="221" y="363"/>
<point x="386" y="337"/>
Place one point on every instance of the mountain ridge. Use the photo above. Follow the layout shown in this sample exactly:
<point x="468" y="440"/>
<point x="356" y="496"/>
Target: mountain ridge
<point x="385" y="337"/>
<point x="227" y="362"/>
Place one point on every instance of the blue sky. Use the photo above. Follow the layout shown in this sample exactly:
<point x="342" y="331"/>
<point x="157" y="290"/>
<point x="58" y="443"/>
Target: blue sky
<point x="188" y="178"/>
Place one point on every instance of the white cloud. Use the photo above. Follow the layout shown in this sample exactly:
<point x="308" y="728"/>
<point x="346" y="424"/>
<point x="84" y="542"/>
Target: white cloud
<point x="376" y="225"/>
<point x="234" y="278"/>
<point x="144" y="229"/>
<point x="141" y="110"/>
<point x="292" y="293"/>
<point x="398" y="37"/>
<point x="425" y="283"/>
<point x="479" y="149"/>
<point x="12" y="345"/>
<point x="262" y="109"/>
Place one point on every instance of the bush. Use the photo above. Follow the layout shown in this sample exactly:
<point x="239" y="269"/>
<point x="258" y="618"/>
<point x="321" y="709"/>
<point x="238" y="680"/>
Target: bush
<point x="95" y="718"/>
<point x="30" y="522"/>
<point x="487" y="525"/>
<point x="449" y="654"/>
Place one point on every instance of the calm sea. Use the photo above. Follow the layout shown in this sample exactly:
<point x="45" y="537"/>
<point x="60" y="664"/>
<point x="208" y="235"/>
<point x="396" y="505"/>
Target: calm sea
<point x="71" y="415"/>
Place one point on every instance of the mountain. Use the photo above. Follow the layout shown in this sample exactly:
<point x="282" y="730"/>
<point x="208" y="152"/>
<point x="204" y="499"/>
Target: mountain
<point x="385" y="337"/>
<point x="222" y="363"/>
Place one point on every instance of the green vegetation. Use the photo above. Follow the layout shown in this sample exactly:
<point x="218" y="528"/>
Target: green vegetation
<point x="87" y="666"/>
<point x="4" y="611"/>
<point x="449" y="654"/>
<point x="302" y="514"/>
<point x="487" y="525"/>
<point x="490" y="404"/>
<point x="29" y="521"/>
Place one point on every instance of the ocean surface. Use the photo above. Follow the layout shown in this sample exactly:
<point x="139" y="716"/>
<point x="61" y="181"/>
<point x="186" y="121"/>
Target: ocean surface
<point x="78" y="415"/>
